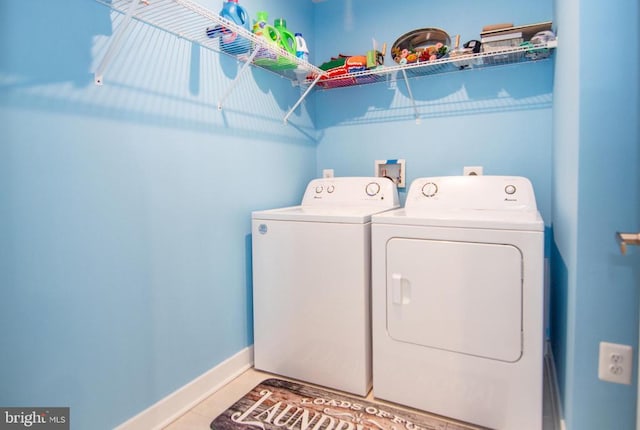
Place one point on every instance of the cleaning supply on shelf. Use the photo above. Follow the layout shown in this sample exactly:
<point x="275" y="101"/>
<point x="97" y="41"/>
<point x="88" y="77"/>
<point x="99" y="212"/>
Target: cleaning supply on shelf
<point x="260" y="23"/>
<point x="286" y="42"/>
<point x="375" y="58"/>
<point x="287" y="39"/>
<point x="302" y="52"/>
<point x="341" y="69"/>
<point x="266" y="56"/>
<point x="230" y="41"/>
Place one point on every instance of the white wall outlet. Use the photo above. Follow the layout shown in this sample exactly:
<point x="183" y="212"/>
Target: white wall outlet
<point x="472" y="171"/>
<point x="393" y="169"/>
<point x="327" y="173"/>
<point x="616" y="362"/>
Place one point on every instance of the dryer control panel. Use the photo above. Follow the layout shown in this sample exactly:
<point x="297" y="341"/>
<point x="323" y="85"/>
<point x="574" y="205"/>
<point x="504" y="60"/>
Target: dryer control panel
<point x="356" y="191"/>
<point x="472" y="192"/>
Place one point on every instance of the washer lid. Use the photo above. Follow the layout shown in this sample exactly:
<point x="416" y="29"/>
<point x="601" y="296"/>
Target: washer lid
<point x="347" y="214"/>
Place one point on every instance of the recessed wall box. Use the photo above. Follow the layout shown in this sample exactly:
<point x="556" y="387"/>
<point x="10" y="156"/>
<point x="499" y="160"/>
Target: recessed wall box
<point x="392" y="169"/>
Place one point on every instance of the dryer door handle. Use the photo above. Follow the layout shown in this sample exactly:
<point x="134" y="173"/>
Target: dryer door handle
<point x="400" y="290"/>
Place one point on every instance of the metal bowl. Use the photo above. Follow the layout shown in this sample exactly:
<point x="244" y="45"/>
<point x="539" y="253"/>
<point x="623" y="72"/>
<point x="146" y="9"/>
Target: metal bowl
<point x="419" y="40"/>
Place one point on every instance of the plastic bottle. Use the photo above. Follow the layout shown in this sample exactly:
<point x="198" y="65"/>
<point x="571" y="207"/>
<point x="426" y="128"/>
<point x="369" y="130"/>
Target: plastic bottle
<point x="231" y="42"/>
<point x="302" y="51"/>
<point x="262" y="29"/>
<point x="260" y="23"/>
<point x="287" y="39"/>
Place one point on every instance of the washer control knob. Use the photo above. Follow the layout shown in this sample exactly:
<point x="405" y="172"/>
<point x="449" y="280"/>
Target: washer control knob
<point x="429" y="189"/>
<point x="510" y="189"/>
<point x="331" y="189"/>
<point x="372" y="188"/>
<point x="319" y="189"/>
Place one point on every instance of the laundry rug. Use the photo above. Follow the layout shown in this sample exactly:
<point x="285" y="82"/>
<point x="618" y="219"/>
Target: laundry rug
<point x="275" y="404"/>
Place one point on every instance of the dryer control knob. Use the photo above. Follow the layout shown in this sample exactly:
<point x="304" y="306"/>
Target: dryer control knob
<point x="331" y="189"/>
<point x="319" y="189"/>
<point x="510" y="189"/>
<point x="372" y="188"/>
<point x="429" y="189"/>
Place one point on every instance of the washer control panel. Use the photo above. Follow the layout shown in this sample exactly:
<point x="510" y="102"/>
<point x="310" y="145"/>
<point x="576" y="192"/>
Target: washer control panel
<point x="362" y="191"/>
<point x="472" y="192"/>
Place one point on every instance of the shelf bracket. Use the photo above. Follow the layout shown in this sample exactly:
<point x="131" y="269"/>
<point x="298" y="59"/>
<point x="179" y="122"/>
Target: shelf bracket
<point x="415" y="107"/>
<point x="244" y="68"/>
<point x="116" y="42"/>
<point x="302" y="97"/>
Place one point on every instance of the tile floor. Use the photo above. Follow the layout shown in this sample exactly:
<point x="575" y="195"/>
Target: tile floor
<point x="202" y="414"/>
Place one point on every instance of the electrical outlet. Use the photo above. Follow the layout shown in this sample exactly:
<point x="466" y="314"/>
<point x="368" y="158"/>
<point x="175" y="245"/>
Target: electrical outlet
<point x="472" y="171"/>
<point x="327" y="173"/>
<point x="615" y="363"/>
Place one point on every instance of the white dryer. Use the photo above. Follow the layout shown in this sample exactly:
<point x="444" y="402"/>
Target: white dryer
<point x="457" y="296"/>
<point x="312" y="283"/>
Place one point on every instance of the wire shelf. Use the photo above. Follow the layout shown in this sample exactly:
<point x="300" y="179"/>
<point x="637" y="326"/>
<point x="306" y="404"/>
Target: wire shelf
<point x="197" y="24"/>
<point x="511" y="55"/>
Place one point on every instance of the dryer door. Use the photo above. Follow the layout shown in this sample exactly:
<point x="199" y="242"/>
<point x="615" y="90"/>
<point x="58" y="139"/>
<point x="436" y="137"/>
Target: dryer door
<point x="460" y="297"/>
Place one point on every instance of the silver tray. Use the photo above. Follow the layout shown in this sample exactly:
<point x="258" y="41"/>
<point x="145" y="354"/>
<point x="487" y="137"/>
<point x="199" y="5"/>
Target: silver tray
<point x="417" y="40"/>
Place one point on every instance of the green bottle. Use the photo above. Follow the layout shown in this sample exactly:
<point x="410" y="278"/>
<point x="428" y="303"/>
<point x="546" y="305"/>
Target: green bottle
<point x="261" y="28"/>
<point x="288" y="43"/>
<point x="287" y="39"/>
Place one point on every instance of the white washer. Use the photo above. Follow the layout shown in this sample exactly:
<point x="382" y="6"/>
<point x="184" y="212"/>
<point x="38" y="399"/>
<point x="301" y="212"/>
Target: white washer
<point x="458" y="297"/>
<point x="312" y="283"/>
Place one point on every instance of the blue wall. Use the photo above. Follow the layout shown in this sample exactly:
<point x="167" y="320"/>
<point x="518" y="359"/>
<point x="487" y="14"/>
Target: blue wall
<point x="125" y="209"/>
<point x="596" y="192"/>
<point x="566" y="119"/>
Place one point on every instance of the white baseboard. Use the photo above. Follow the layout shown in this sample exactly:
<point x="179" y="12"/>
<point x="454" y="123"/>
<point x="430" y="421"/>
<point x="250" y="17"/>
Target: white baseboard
<point x="180" y="401"/>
